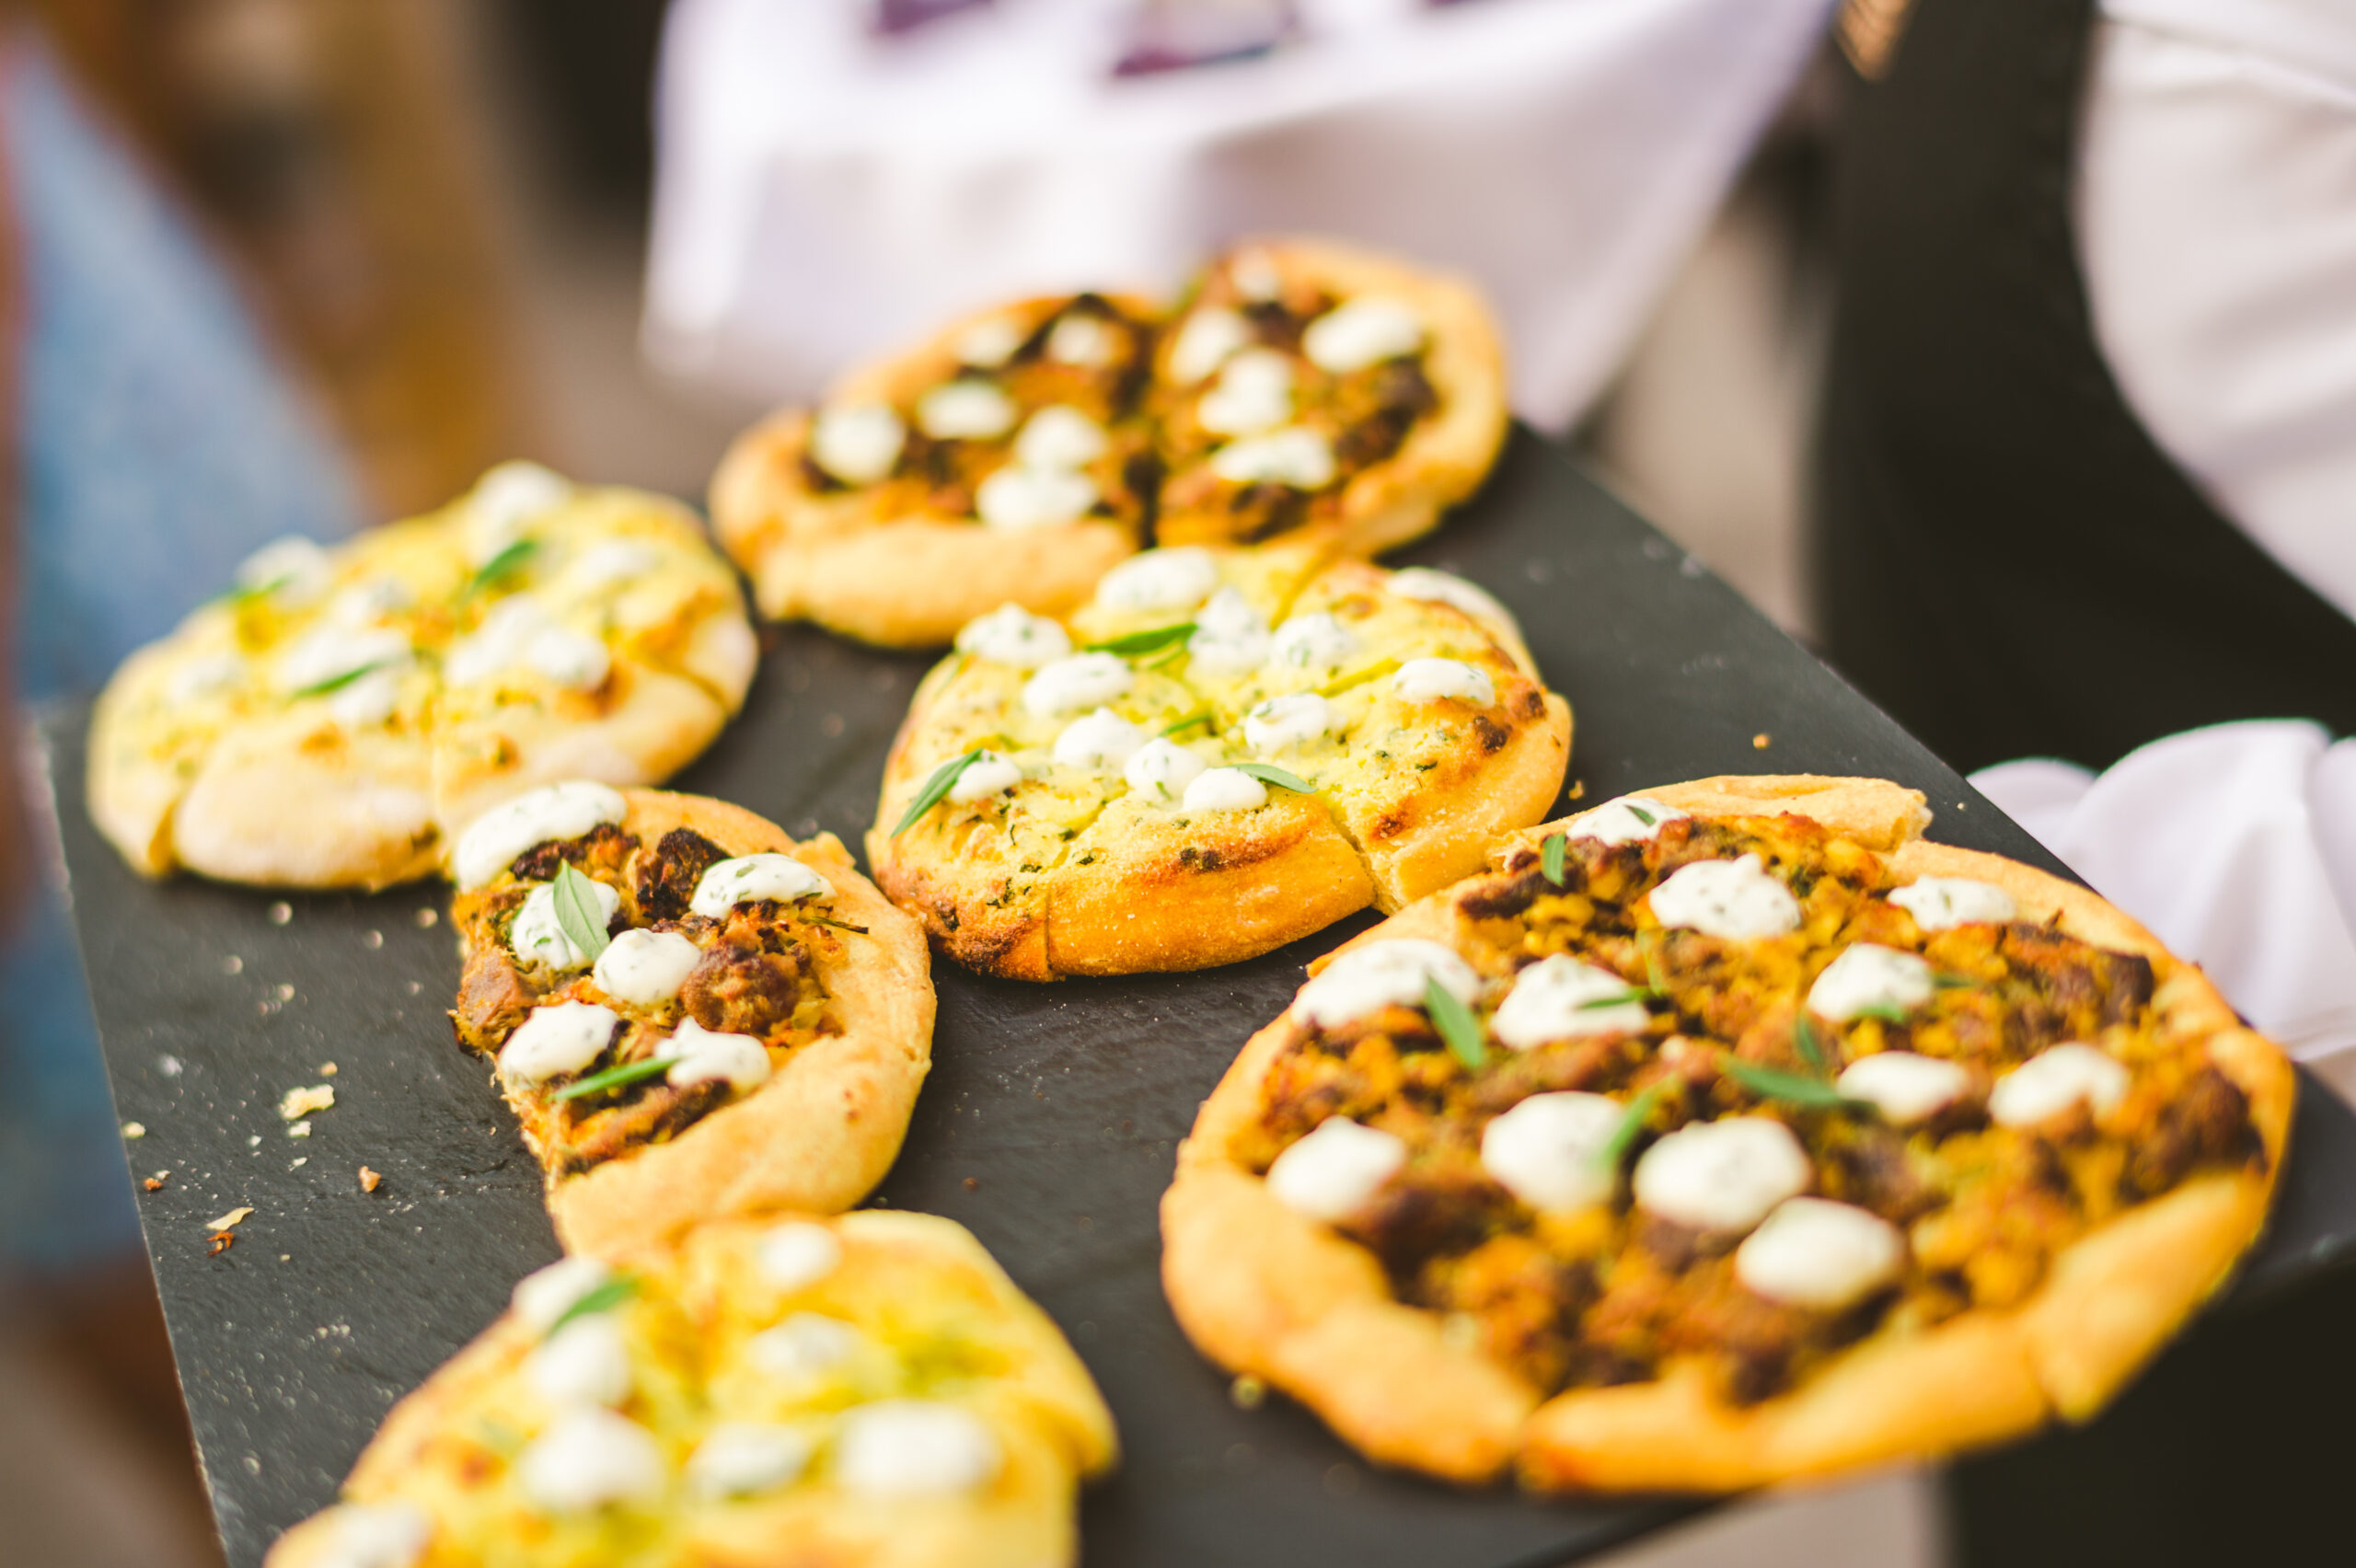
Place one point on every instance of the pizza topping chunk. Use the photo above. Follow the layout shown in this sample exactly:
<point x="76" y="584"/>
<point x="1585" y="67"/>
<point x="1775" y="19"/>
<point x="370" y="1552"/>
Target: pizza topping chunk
<point x="546" y="1295"/>
<point x="561" y="1039"/>
<point x="556" y="812"/>
<point x="1297" y="458"/>
<point x="989" y="774"/>
<point x="1560" y="998"/>
<point x="1822" y="1255"/>
<point x="505" y="501"/>
<point x="1940" y="904"/>
<point x="1225" y="789"/>
<point x="1722" y="1176"/>
<point x="965" y="410"/>
<point x="742" y="1457"/>
<point x="1230" y="636"/>
<point x="377" y="1535"/>
<point x="749" y="878"/>
<point x="646" y="968"/>
<point x="1162" y="770"/>
<point x="1103" y="740"/>
<point x="330" y="655"/>
<point x="537" y="933"/>
<point x="2056" y="1079"/>
<point x="585" y="1362"/>
<point x="1254" y="394"/>
<point x="798" y="1254"/>
<point x="589" y="1459"/>
<point x="700" y="1055"/>
<point x="1205" y="341"/>
<point x="1284" y="723"/>
<point x="1395" y="974"/>
<point x="1013" y="635"/>
<point x="1444" y="680"/>
<point x="1335" y="1171"/>
<point x="1175" y="579"/>
<point x="1905" y="1089"/>
<point x="1631" y="819"/>
<point x="1735" y="899"/>
<point x="1314" y="641"/>
<point x="915" y="1448"/>
<point x="1870" y="978"/>
<point x="292" y="571"/>
<point x="1553" y="1151"/>
<point x="1080" y="681"/>
<point x="859" y="443"/>
<point x="1020" y="496"/>
<point x="1361" y="333"/>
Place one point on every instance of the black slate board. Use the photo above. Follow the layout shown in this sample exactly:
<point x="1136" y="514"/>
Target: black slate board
<point x="1061" y="1105"/>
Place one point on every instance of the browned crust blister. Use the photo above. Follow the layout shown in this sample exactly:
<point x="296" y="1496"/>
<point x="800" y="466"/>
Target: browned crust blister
<point x="1262" y="1290"/>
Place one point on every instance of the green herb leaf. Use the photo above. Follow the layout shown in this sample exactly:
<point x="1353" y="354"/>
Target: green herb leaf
<point x="612" y="1078"/>
<point x="238" y="598"/>
<point x="1772" y="1083"/>
<point x="1953" y="982"/>
<point x="1136" y="642"/>
<point x="1631" y="1122"/>
<point x="1643" y="816"/>
<point x="577" y="912"/>
<point x="1804" y="1035"/>
<point x="1550" y="859"/>
<point x="1267" y="773"/>
<point x="1373" y="672"/>
<point x="943" y="779"/>
<point x="1888" y="1013"/>
<point x="336" y="683"/>
<point x="1650" y="943"/>
<point x="505" y="564"/>
<point x="1633" y="994"/>
<point x="1456" y="1025"/>
<point x="837" y="925"/>
<point x="605" y="1298"/>
<point x="1199" y="716"/>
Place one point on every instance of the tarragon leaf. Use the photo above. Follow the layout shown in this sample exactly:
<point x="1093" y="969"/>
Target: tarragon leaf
<point x="1456" y="1025"/>
<point x="1268" y="773"/>
<point x="605" y="1298"/>
<point x="1550" y="859"/>
<point x="577" y="912"/>
<point x="1774" y="1083"/>
<point x="336" y="683"/>
<point x="1631" y="1122"/>
<point x="1944" y="982"/>
<point x="1888" y="1013"/>
<point x="1642" y="815"/>
<point x="253" y="592"/>
<point x="1373" y="672"/>
<point x="1633" y="994"/>
<point x="1804" y="1035"/>
<point x="837" y="925"/>
<point x="1179" y="726"/>
<point x="505" y="564"/>
<point x="613" y="1077"/>
<point x="1133" y="643"/>
<point x="943" y="781"/>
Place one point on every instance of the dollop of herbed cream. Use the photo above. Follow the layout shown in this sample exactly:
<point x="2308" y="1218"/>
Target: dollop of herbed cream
<point x="1205" y="341"/>
<point x="1230" y="637"/>
<point x="1315" y="641"/>
<point x="1336" y="1169"/>
<point x="584" y="1363"/>
<point x="1722" y="1176"/>
<point x="588" y="1459"/>
<point x="1904" y="1087"/>
<point x="798" y="1254"/>
<point x="991" y="773"/>
<point x="538" y="937"/>
<point x="1422" y="583"/>
<point x="1548" y="1151"/>
<point x="697" y="1054"/>
<point x="965" y="410"/>
<point x="803" y="1347"/>
<point x="507" y="498"/>
<point x="1294" y="456"/>
<point x="1103" y="740"/>
<point x="329" y="652"/>
<point x="1939" y="903"/>
<point x="1021" y="496"/>
<point x="749" y="878"/>
<point x="739" y="1458"/>
<point x="990" y="342"/>
<point x="1560" y="998"/>
<point x="1869" y="977"/>
<point x="1285" y="723"/>
<point x="914" y="1448"/>
<point x="1630" y="819"/>
<point x="2055" y="1079"/>
<point x="1254" y="394"/>
<point x="1080" y="337"/>
<point x="1161" y="771"/>
<point x="392" y="1534"/>
<point x="1442" y="680"/>
<point x="1822" y="1255"/>
<point x="1224" y="789"/>
<point x="1174" y="578"/>
<point x="1367" y="979"/>
<point x="368" y="702"/>
<point x="547" y="1294"/>
<point x="1060" y="437"/>
<point x="207" y="675"/>
<point x="646" y="968"/>
<point x="613" y="560"/>
<point x="859" y="443"/>
<point x="1734" y="900"/>
<point x="554" y="812"/>
<point x="1082" y="681"/>
<point x="1362" y="332"/>
<point x="564" y="1038"/>
<point x="295" y="571"/>
<point x="1013" y="635"/>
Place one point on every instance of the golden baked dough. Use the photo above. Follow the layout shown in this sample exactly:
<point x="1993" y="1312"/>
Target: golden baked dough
<point x="1082" y="858"/>
<point x="342" y="715"/>
<point x="732" y="1402"/>
<point x="834" y="988"/>
<point x="2045" y="1254"/>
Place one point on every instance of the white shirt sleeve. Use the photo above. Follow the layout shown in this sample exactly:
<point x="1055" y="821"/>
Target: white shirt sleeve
<point x="821" y="195"/>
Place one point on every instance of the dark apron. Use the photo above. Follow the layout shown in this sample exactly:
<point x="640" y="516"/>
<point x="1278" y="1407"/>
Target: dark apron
<point x="2005" y="561"/>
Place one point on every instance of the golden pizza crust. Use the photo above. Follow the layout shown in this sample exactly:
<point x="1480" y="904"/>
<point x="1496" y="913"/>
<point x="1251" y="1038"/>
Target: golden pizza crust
<point x="1254" y="1285"/>
<point x="824" y="1128"/>
<point x="1051" y="1424"/>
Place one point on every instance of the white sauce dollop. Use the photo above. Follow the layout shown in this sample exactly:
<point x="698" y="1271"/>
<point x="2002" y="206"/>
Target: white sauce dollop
<point x="1082" y="338"/>
<point x="1230" y="637"/>
<point x="1018" y="496"/>
<point x="1811" y="1253"/>
<point x="858" y="443"/>
<point x="1178" y="578"/>
<point x="1070" y="684"/>
<point x="507" y="498"/>
<point x="1293" y="455"/>
<point x="1735" y="900"/>
<point x="1013" y="635"/>
<point x="965" y="410"/>
<point x="1381" y="974"/>
<point x="1161" y="770"/>
<point x="1103" y="740"/>
<point x="1204" y="343"/>
<point x="914" y="1448"/>
<point x="697" y="1054"/>
<point x="747" y="879"/>
<point x="1361" y="332"/>
<point x="1225" y="789"/>
<point x="614" y="560"/>
<point x="1722" y="1175"/>
<point x="296" y="569"/>
<point x="571" y="659"/>
<point x="545" y="1295"/>
<point x="1870" y="977"/>
<point x="1336" y="1169"/>
<point x="990" y="342"/>
<point x="1060" y="437"/>
<point x="1283" y="723"/>
<point x="1558" y="997"/>
<point x="584" y="1363"/>
<point x="377" y="1535"/>
<point x="2054" y="1080"/>
<point x="553" y="811"/>
<point x="368" y="702"/>
<point x="369" y="600"/>
<point x="646" y="968"/>
<point x="1440" y="587"/>
<point x="1317" y="641"/>
<point x="504" y="635"/>
<point x="207" y="674"/>
<point x="737" y="1458"/>
<point x="1938" y="904"/>
<point x="587" y="1458"/>
<point x="1904" y="1087"/>
<point x="1255" y="275"/>
<point x="1623" y="821"/>
<point x="989" y="774"/>
<point x="1548" y="1150"/>
<point x="798" y="1254"/>
<point x="561" y="1039"/>
<point x="537" y="936"/>
<point x="805" y="1346"/>
<point x="328" y="651"/>
<point x="1439" y="680"/>
<point x="1254" y="394"/>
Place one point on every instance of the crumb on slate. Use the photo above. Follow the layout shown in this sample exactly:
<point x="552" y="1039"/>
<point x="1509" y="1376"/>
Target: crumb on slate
<point x="301" y="1102"/>
<point x="134" y="1130"/>
<point x="369" y="1179"/>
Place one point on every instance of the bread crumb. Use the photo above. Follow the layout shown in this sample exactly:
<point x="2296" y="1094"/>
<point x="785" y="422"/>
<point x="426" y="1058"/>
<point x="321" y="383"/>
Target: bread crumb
<point x="973" y="1183"/>
<point x="134" y="1130"/>
<point x="327" y="1069"/>
<point x="281" y="913"/>
<point x="154" y="1183"/>
<point x="428" y="916"/>
<point x="372" y="939"/>
<point x="1761" y="740"/>
<point x="298" y="1130"/>
<point x="1247" y="1393"/>
<point x="369" y="1179"/>
<point x="231" y="1220"/>
<point x="301" y="1102"/>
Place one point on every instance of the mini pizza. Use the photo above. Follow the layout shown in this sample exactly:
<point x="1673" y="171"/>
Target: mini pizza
<point x="1007" y="460"/>
<point x="1225" y="750"/>
<point x="691" y="1014"/>
<point x="1719" y="1135"/>
<point x="871" y="1389"/>
<point x="1309" y="387"/>
<point x="337" y="718"/>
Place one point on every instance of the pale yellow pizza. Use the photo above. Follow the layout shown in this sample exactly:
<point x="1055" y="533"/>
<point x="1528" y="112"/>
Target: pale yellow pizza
<point x="1224" y="751"/>
<point x="338" y="716"/>
<point x="1723" y="1135"/>
<point x="870" y="1391"/>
